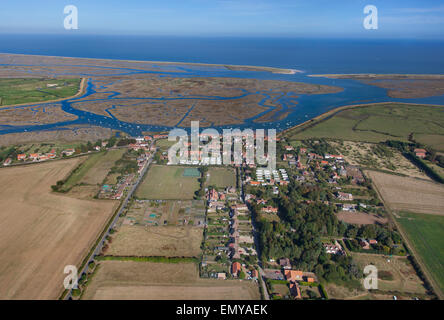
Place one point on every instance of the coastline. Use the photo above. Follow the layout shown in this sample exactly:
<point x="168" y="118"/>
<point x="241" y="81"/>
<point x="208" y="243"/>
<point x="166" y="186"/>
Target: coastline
<point x="81" y="91"/>
<point x="376" y="76"/>
<point x="228" y="66"/>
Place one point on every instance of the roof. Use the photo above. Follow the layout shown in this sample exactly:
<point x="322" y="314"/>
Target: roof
<point x="293" y="274"/>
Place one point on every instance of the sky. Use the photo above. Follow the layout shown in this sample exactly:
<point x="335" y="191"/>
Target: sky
<point x="251" y="18"/>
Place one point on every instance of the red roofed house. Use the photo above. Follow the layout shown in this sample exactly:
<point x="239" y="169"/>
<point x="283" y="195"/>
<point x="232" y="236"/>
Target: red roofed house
<point x="420" y="153"/>
<point x="293" y="275"/>
<point x="21" y="156"/>
<point x="235" y="268"/>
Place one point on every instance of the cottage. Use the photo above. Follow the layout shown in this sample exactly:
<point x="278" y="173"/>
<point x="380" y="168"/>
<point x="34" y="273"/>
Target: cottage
<point x="345" y="196"/>
<point x="293" y="275"/>
<point x="236" y="268"/>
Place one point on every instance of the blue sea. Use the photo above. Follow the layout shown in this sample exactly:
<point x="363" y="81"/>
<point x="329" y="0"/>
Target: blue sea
<point x="308" y="55"/>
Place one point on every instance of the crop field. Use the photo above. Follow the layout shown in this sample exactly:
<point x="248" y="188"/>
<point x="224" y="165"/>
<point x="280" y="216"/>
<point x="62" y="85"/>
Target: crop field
<point x="360" y="218"/>
<point x="409" y="194"/>
<point x="166" y="212"/>
<point x="17" y="91"/>
<point x="165" y="241"/>
<point x="163" y="281"/>
<point x="426" y="234"/>
<point x="394" y="273"/>
<point x="41" y="231"/>
<point x="221" y="177"/>
<point x="379" y="122"/>
<point x="167" y="183"/>
<point x="94" y="169"/>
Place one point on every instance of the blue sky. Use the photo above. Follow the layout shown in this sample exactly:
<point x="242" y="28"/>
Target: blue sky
<point x="283" y="18"/>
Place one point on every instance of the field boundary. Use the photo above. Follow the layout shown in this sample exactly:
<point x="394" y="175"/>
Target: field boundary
<point x="426" y="273"/>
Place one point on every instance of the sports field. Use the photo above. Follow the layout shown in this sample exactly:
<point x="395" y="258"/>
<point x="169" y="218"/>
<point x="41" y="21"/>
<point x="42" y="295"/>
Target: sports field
<point x="167" y="183"/>
<point x="41" y="232"/>
<point x="221" y="177"/>
<point x="17" y="91"/>
<point x="378" y="122"/>
<point x="163" y="281"/>
<point x="425" y="232"/>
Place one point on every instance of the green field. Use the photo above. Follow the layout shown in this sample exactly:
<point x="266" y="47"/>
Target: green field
<point x="167" y="183"/>
<point x="164" y="144"/>
<point x="17" y="91"/>
<point x="379" y="122"/>
<point x="221" y="177"/>
<point x="94" y="169"/>
<point x="425" y="232"/>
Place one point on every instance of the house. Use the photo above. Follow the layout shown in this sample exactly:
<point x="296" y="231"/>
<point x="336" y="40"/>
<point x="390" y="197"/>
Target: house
<point x="21" y="156"/>
<point x="310" y="279"/>
<point x="261" y="201"/>
<point x="34" y="156"/>
<point x="269" y="209"/>
<point x="349" y="207"/>
<point x="255" y="183"/>
<point x="68" y="152"/>
<point x="345" y="196"/>
<point x="420" y="153"/>
<point x="293" y="275"/>
<point x="373" y="241"/>
<point x="221" y="275"/>
<point x="285" y="263"/>
<point x="254" y="274"/>
<point x="7" y="162"/>
<point x="236" y="268"/>
<point x="289" y="148"/>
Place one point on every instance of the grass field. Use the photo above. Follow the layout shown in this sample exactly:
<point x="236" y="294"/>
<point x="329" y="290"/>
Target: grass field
<point x="17" y="91"/>
<point x="221" y="177"/>
<point x="163" y="281"/>
<point x="409" y="194"/>
<point x="403" y="277"/>
<point x="426" y="234"/>
<point x="379" y="122"/>
<point x="41" y="231"/>
<point x="168" y="241"/>
<point x="94" y="169"/>
<point x="167" y="183"/>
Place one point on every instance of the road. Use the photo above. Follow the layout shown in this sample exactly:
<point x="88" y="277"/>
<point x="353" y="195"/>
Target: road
<point x="255" y="237"/>
<point x="98" y="248"/>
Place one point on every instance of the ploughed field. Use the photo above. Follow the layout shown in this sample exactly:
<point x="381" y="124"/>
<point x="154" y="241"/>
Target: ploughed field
<point x="41" y="231"/>
<point x="163" y="281"/>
